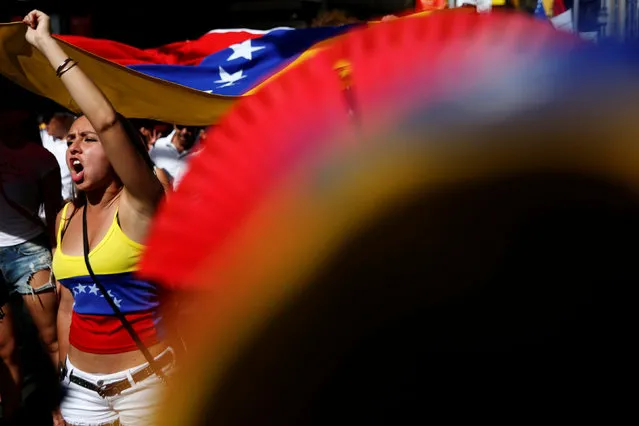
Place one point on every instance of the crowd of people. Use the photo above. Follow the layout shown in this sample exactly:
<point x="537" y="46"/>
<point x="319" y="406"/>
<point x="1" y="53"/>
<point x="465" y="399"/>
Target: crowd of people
<point x="77" y="195"/>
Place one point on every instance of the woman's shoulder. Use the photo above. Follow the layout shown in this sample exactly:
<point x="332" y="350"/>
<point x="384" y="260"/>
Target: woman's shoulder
<point x="64" y="215"/>
<point x="66" y="212"/>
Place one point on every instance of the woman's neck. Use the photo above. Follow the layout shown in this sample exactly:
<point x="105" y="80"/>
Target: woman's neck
<point x="100" y="198"/>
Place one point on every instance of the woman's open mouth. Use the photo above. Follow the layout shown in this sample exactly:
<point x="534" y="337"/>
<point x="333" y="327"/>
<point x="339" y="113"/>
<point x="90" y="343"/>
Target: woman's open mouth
<point x="77" y="171"/>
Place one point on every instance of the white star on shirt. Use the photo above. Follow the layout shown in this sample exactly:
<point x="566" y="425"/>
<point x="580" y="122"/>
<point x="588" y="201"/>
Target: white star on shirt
<point x="110" y="294"/>
<point x="79" y="289"/>
<point x="93" y="289"/>
<point x="114" y="297"/>
<point x="243" y="50"/>
<point x="229" y="79"/>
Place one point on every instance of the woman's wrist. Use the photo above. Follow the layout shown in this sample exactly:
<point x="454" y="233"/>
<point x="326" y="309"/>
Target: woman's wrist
<point x="62" y="370"/>
<point x="50" y="48"/>
<point x="43" y="41"/>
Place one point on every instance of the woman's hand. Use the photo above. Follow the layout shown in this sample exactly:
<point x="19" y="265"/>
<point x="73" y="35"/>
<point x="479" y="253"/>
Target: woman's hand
<point x="58" y="420"/>
<point x="39" y="27"/>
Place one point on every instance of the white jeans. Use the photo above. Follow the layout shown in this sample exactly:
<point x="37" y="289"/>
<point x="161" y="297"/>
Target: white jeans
<point x="135" y="406"/>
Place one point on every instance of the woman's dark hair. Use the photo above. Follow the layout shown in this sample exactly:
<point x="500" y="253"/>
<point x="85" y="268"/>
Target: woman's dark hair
<point x="144" y="122"/>
<point x="137" y="138"/>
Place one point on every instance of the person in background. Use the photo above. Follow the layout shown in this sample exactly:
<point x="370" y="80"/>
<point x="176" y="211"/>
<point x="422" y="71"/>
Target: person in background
<point x="333" y="17"/>
<point x="114" y="354"/>
<point x="53" y="135"/>
<point x="164" y="178"/>
<point x="29" y="178"/>
<point x="151" y="131"/>
<point x="173" y="152"/>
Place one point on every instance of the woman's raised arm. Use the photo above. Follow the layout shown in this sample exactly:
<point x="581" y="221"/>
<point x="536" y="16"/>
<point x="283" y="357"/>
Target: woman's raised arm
<point x="125" y="157"/>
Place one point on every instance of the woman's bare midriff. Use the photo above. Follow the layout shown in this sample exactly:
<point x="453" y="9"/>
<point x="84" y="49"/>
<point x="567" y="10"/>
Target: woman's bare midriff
<point x="111" y="363"/>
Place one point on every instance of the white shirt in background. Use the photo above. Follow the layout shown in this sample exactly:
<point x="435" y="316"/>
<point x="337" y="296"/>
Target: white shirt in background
<point x="58" y="147"/>
<point x="166" y="156"/>
<point x="178" y="178"/>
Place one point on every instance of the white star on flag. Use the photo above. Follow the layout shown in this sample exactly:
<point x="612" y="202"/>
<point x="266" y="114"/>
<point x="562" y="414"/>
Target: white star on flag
<point x="229" y="79"/>
<point x="79" y="289"/>
<point x="243" y="50"/>
<point x="93" y="289"/>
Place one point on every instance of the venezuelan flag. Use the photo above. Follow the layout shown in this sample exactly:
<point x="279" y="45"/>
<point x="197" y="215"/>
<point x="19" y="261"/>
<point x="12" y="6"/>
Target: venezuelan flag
<point x="189" y="82"/>
<point x="186" y="82"/>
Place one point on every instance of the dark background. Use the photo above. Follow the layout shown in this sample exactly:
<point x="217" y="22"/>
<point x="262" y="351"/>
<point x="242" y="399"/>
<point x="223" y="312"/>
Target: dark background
<point x="149" y="23"/>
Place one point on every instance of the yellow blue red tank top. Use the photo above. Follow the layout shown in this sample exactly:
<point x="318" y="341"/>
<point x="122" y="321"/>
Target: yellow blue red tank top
<point x="94" y="326"/>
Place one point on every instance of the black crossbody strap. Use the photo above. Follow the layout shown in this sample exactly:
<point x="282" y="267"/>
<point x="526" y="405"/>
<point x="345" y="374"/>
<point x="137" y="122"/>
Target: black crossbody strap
<point x="127" y="325"/>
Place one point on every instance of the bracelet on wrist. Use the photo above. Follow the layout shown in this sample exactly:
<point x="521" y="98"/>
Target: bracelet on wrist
<point x="68" y="68"/>
<point x="61" y="66"/>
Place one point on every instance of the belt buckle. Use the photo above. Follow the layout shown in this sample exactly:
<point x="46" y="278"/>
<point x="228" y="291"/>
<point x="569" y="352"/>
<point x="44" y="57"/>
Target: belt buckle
<point x="102" y="389"/>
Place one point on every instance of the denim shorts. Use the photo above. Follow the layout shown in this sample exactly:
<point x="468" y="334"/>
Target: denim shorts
<point x="18" y="264"/>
